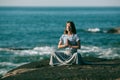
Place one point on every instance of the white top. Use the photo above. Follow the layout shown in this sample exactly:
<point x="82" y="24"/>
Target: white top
<point x="73" y="39"/>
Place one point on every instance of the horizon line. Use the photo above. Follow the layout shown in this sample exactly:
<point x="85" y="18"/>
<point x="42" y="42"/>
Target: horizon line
<point x="59" y="6"/>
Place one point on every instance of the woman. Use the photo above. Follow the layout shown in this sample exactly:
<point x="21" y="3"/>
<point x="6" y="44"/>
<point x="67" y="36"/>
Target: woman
<point x="70" y="42"/>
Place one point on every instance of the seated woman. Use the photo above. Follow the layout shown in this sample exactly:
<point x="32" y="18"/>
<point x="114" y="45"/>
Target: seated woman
<point x="70" y="42"/>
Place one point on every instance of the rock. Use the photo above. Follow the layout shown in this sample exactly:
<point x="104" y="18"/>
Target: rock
<point x="114" y="30"/>
<point x="102" y="69"/>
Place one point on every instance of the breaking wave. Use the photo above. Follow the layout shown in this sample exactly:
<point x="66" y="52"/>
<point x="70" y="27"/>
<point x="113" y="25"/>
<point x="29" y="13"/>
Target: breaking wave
<point x="99" y="52"/>
<point x="6" y="66"/>
<point x="29" y="51"/>
<point x="85" y="51"/>
<point x="94" y="30"/>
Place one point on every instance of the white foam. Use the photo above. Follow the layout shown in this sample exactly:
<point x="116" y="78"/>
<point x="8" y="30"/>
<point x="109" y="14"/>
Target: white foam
<point x="7" y="66"/>
<point x="35" y="51"/>
<point x="100" y="52"/>
<point x="10" y="64"/>
<point x="109" y="53"/>
<point x="85" y="51"/>
<point x="3" y="71"/>
<point x="5" y="49"/>
<point x="93" y="30"/>
<point x="46" y="50"/>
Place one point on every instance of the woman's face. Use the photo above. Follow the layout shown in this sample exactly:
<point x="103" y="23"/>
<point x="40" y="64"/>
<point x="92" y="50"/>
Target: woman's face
<point x="68" y="27"/>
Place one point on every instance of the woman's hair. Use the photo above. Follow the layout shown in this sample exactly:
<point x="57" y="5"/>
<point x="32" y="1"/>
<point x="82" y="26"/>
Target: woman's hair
<point x="72" y="26"/>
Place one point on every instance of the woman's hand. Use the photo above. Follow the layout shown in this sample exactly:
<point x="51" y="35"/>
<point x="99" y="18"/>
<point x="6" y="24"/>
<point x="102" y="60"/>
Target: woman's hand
<point x="60" y="45"/>
<point x="75" y="46"/>
<point x="69" y="44"/>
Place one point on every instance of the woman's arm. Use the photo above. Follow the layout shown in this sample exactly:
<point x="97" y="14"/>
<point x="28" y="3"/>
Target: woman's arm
<point x="60" y="45"/>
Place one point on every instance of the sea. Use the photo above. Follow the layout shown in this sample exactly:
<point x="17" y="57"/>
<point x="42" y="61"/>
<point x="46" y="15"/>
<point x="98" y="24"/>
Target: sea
<point x="29" y="34"/>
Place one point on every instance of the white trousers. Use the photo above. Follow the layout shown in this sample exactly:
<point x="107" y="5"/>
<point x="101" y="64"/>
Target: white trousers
<point x="61" y="58"/>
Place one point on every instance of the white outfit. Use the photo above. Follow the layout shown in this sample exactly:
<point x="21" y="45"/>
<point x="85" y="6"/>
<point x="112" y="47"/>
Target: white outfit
<point x="69" y="55"/>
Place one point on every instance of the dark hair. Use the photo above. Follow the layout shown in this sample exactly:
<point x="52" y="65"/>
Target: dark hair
<point x="72" y="26"/>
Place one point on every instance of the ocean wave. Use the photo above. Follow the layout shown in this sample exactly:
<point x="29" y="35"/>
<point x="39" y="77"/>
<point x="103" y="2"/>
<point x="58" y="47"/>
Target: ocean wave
<point x="85" y="51"/>
<point x="37" y="51"/>
<point x="11" y="49"/>
<point x="6" y="66"/>
<point x="30" y="51"/>
<point x="3" y="71"/>
<point x="94" y="30"/>
<point x="99" y="52"/>
<point x="3" y="64"/>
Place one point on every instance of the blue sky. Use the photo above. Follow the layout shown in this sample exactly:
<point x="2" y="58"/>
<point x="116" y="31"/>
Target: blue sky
<point x="60" y="3"/>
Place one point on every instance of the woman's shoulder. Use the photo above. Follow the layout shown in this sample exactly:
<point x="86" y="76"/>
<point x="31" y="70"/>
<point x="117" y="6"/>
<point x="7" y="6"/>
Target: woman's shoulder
<point x="76" y="36"/>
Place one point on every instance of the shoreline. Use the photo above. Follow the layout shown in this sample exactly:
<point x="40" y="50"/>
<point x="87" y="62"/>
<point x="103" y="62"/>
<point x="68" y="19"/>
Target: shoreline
<point x="102" y="69"/>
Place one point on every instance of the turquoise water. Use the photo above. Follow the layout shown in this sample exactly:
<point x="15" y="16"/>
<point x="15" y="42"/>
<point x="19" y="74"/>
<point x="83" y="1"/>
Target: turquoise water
<point x="30" y="34"/>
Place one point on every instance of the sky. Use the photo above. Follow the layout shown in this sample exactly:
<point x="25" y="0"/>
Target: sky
<point x="92" y="3"/>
